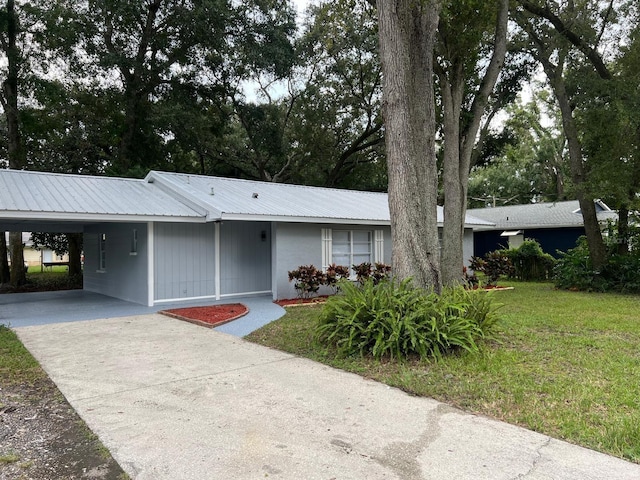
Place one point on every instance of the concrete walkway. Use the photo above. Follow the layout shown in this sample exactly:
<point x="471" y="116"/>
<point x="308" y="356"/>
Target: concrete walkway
<point x="172" y="400"/>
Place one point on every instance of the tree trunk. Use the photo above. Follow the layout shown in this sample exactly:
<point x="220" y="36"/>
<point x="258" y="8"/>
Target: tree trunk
<point x="18" y="274"/>
<point x="75" y="252"/>
<point x="597" y="249"/>
<point x="5" y="273"/>
<point x="452" y="179"/>
<point x="15" y="151"/>
<point x="458" y="150"/>
<point x="407" y="34"/>
<point x="623" y="230"/>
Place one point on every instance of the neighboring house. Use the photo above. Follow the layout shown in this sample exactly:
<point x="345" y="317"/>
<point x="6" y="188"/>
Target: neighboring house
<point x="33" y="257"/>
<point x="174" y="237"/>
<point x="556" y="226"/>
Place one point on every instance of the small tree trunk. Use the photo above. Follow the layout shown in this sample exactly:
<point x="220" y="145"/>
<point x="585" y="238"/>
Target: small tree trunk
<point x="5" y="273"/>
<point x="597" y="250"/>
<point x="75" y="252"/>
<point x="460" y="136"/>
<point x="623" y="231"/>
<point x="18" y="274"/>
<point x="407" y="34"/>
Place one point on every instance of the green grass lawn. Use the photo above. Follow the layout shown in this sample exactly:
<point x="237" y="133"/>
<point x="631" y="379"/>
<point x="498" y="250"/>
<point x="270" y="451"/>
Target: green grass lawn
<point x="566" y="364"/>
<point x="16" y="363"/>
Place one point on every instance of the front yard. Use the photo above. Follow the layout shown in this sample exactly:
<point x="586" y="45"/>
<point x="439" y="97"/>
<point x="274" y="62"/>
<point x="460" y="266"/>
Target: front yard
<point x="566" y="364"/>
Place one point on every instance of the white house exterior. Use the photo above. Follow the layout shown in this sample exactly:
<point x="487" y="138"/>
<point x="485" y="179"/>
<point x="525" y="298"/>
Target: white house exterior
<point x="173" y="237"/>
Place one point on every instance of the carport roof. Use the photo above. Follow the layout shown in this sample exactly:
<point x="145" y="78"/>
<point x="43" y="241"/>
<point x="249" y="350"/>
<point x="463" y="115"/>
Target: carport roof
<point x="28" y="197"/>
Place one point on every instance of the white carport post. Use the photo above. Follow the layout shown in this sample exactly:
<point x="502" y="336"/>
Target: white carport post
<point x="216" y="248"/>
<point x="150" y="265"/>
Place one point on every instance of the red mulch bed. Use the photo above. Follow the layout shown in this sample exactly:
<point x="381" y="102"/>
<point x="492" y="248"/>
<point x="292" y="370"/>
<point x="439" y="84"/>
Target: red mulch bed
<point x="292" y="302"/>
<point x="209" y="316"/>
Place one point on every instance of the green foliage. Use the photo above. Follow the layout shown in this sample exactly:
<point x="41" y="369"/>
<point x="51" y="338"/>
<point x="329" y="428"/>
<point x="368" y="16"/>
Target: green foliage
<point x="393" y="319"/>
<point x="620" y="274"/>
<point x="529" y="165"/>
<point x="574" y="269"/>
<point x="494" y="265"/>
<point x="530" y="262"/>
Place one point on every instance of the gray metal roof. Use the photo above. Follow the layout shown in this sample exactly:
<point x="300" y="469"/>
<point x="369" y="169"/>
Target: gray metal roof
<point x="47" y="200"/>
<point x="233" y="199"/>
<point x="538" y="215"/>
<point x="27" y="196"/>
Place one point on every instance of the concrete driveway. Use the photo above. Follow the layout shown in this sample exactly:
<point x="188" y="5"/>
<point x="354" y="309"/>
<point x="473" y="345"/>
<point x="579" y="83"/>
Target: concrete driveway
<point x="172" y="400"/>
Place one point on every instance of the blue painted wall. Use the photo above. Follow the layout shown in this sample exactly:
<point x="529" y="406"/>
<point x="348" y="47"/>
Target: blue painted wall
<point x="550" y="239"/>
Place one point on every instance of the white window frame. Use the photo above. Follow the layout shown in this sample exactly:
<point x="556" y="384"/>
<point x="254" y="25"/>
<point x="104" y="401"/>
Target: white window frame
<point x="376" y="250"/>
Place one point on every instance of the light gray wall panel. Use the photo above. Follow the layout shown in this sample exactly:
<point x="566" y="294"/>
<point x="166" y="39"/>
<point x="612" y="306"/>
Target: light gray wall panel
<point x="184" y="260"/>
<point x="125" y="275"/>
<point x="299" y="244"/>
<point x="467" y="246"/>
<point x="245" y="257"/>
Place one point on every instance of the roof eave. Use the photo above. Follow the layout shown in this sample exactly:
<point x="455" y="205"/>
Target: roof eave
<point x="299" y="219"/>
<point x="98" y="217"/>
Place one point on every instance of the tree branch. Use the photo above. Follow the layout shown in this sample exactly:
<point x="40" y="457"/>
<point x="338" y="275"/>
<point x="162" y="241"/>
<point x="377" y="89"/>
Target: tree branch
<point x="593" y="56"/>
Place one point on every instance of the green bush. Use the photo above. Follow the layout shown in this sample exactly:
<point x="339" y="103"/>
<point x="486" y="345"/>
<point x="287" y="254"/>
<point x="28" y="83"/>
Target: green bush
<point x="530" y="262"/>
<point x="574" y="271"/>
<point x="393" y="319"/>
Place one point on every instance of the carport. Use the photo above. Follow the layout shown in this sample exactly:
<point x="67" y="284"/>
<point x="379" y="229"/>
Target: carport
<point x="125" y="208"/>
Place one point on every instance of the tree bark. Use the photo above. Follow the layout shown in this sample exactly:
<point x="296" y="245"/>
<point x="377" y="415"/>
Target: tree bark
<point x="75" y="252"/>
<point x="407" y="35"/>
<point x="18" y="277"/>
<point x="597" y="249"/>
<point x="5" y="273"/>
<point x="16" y="154"/>
<point x="623" y="230"/>
<point x="459" y="143"/>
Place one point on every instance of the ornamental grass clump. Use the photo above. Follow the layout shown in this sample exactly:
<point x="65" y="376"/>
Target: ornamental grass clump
<point x="395" y="320"/>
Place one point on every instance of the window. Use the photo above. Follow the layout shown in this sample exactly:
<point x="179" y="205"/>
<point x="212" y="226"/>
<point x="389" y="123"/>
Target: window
<point x="134" y="242"/>
<point x="351" y="247"/>
<point x="103" y="252"/>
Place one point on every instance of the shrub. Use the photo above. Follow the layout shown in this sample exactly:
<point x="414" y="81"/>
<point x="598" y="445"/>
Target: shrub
<point x="494" y="265"/>
<point x="469" y="280"/>
<point x="530" y="262"/>
<point x="307" y="280"/>
<point x="363" y="272"/>
<point x="334" y="274"/>
<point x="377" y="272"/>
<point x="393" y="319"/>
<point x="574" y="271"/>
